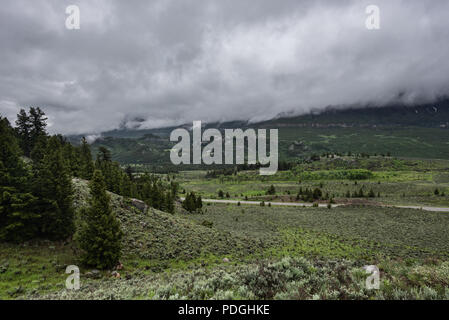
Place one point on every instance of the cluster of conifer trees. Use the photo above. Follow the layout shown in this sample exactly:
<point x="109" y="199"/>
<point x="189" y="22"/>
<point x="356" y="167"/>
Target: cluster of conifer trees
<point x="36" y="192"/>
<point x="310" y="195"/>
<point x="192" y="202"/>
<point x="361" y="194"/>
<point x="35" y="195"/>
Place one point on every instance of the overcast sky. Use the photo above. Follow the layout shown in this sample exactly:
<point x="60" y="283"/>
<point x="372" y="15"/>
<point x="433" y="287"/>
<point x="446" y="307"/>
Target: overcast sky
<point x="171" y="62"/>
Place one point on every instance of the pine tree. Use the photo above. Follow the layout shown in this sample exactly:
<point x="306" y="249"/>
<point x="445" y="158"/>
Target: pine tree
<point x="317" y="193"/>
<point x="129" y="172"/>
<point x="86" y="162"/>
<point x="169" y="203"/>
<point x="39" y="149"/>
<point x="53" y="186"/>
<point x="361" y="194"/>
<point x="30" y="127"/>
<point x="17" y="217"/>
<point x="199" y="203"/>
<point x="174" y="186"/>
<point x="191" y="203"/>
<point x="38" y="124"/>
<point x="104" y="154"/>
<point x="187" y="203"/>
<point x="156" y="197"/>
<point x="271" y="190"/>
<point x="23" y="127"/>
<point x="126" y="188"/>
<point x="100" y="236"/>
<point x="72" y="155"/>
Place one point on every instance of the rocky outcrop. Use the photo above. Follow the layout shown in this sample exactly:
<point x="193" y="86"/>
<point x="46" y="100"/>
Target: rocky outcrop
<point x="139" y="205"/>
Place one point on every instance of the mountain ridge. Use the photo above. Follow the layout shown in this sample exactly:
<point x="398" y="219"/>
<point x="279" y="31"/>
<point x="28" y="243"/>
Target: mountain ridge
<point x="426" y="115"/>
<point x="403" y="131"/>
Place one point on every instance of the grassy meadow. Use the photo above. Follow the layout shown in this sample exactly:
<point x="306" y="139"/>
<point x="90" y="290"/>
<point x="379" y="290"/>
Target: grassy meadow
<point x="393" y="181"/>
<point x="241" y="251"/>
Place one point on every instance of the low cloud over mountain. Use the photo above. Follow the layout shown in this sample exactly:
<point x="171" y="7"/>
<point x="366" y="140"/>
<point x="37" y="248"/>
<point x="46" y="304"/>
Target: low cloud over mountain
<point x="158" y="63"/>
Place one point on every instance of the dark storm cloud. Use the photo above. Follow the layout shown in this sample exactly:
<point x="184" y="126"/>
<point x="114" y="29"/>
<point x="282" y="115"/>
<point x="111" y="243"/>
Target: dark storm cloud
<point x="170" y="62"/>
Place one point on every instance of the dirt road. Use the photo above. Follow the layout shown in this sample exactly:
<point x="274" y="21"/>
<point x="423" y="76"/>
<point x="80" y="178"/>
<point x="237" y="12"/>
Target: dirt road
<point x="300" y="204"/>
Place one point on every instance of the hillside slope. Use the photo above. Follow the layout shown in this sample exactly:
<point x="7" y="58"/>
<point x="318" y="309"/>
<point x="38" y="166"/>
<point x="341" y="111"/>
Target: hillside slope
<point x="155" y="235"/>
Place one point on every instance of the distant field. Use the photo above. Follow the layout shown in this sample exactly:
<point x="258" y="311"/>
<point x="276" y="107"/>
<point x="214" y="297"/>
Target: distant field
<point x="419" y="192"/>
<point x="352" y="232"/>
<point x="414" y="142"/>
<point x="300" y="142"/>
<point x="392" y="180"/>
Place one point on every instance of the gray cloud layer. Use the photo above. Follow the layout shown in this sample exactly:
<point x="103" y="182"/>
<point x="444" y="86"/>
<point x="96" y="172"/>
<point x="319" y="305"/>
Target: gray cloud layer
<point x="170" y="62"/>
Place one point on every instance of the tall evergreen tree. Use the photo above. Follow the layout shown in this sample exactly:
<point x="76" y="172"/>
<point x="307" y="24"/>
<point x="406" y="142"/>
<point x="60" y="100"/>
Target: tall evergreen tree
<point x="100" y="236"/>
<point x="23" y="127"/>
<point x="169" y="205"/>
<point x="38" y="124"/>
<point x="38" y="151"/>
<point x="129" y="171"/>
<point x="104" y="155"/>
<point x="30" y="128"/>
<point x="86" y="162"/>
<point x="53" y="186"/>
<point x="73" y="156"/>
<point x="17" y="217"/>
<point x="198" y="202"/>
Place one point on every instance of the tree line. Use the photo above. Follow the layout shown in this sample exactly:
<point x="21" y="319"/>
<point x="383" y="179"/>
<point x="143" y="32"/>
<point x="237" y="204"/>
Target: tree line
<point x="36" y="191"/>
